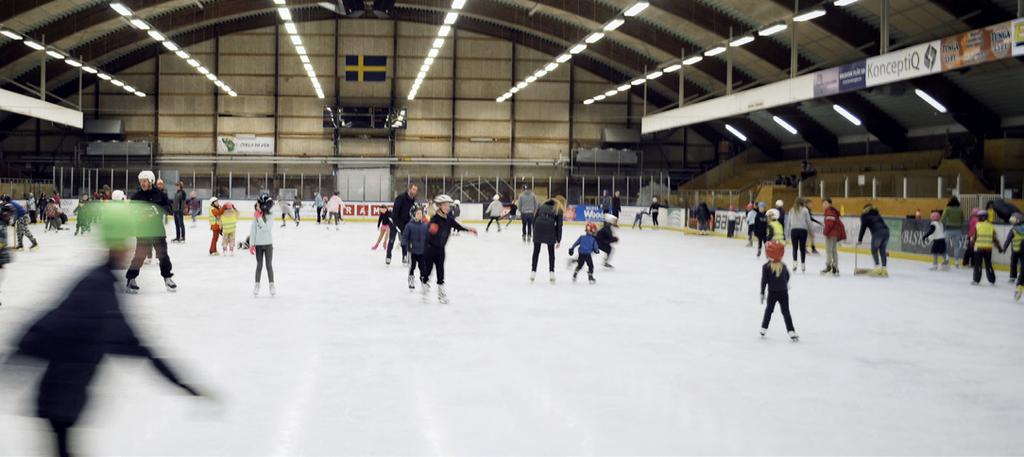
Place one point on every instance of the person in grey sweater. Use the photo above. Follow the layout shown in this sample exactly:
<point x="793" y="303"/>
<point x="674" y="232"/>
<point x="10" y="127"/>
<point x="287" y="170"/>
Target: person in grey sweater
<point x="798" y="225"/>
<point x="527" y="211"/>
<point x="494" y="212"/>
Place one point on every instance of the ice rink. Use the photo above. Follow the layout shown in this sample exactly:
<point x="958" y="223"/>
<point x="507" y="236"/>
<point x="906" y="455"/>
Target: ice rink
<point x="662" y="356"/>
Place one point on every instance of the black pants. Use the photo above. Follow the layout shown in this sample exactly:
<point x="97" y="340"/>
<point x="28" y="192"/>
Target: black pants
<point x="61" y="430"/>
<point x="433" y="257"/>
<point x="983" y="256"/>
<point x="585" y="259"/>
<point x="551" y="256"/>
<point x="1016" y="265"/>
<point x="265" y="252"/>
<point x="731" y="229"/>
<point x="392" y="234"/>
<point x="761" y="241"/>
<point x="527" y="224"/>
<point x="179" y="225"/>
<point x="296" y="216"/>
<point x="782" y="298"/>
<point x="799" y="237"/>
<point x="319" y="213"/>
<point x="880" y="246"/>
<point x="32" y="214"/>
<point x="143" y="246"/>
<point x="750" y="233"/>
<point x="492" y="220"/>
<point x="415" y="260"/>
<point x="654" y="219"/>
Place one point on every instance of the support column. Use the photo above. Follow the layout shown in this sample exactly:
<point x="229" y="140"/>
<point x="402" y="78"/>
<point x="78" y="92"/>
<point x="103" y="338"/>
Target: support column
<point x="794" y="53"/>
<point x="883" y="27"/>
<point x="512" y="108"/>
<point x="156" y="102"/>
<point x="572" y="104"/>
<point x="728" y="66"/>
<point x="682" y="77"/>
<point x="277" y="97"/>
<point x="216" y="98"/>
<point x="455" y="86"/>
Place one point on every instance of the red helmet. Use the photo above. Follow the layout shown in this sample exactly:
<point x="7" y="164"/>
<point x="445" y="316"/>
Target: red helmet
<point x="591" y="227"/>
<point x="775" y="250"/>
<point x="228" y="205"/>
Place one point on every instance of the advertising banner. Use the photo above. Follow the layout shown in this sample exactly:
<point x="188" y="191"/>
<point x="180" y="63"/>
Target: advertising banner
<point x="676" y="217"/>
<point x="844" y="78"/>
<point x="589" y="213"/>
<point x="1018" y="37"/>
<point x="907" y="63"/>
<point x="245" y="144"/>
<point x="978" y="46"/>
<point x="912" y="238"/>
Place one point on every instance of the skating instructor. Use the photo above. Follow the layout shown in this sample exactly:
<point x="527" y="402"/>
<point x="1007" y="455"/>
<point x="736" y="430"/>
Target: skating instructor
<point x="151" y="223"/>
<point x="402" y="214"/>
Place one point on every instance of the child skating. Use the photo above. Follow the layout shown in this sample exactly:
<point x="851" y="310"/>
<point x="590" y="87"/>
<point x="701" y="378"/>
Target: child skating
<point x="1015" y="243"/>
<point x="588" y="247"/>
<point x="606" y="237"/>
<point x="414" y="240"/>
<point x="215" y="213"/>
<point x="775" y="277"/>
<point x="229" y="225"/>
<point x="984" y="239"/>
<point x="638" y="220"/>
<point x="938" y="235"/>
<point x="441" y="226"/>
<point x="494" y="213"/>
<point x="385" y="225"/>
<point x="262" y="243"/>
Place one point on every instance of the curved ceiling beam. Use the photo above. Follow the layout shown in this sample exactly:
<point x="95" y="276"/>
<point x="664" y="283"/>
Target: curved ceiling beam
<point x="975" y="13"/>
<point x="12" y="9"/>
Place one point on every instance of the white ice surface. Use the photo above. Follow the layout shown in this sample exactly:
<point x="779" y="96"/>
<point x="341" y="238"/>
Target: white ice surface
<point x="661" y="356"/>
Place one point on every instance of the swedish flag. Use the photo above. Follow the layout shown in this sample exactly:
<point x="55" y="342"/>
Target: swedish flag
<point x="366" y="68"/>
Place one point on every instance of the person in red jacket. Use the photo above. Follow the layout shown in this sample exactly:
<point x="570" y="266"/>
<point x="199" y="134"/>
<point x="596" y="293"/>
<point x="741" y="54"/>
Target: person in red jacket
<point x="834" y="233"/>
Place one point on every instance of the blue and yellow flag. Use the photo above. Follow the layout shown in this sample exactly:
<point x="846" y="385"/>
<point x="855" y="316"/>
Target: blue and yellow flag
<point x="366" y="68"/>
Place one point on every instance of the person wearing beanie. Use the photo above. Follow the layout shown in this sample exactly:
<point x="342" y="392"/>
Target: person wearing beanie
<point x="870" y="219"/>
<point x="494" y="212"/>
<point x="937" y="232"/>
<point x="547" y="230"/>
<point x="834" y="232"/>
<point x="775" y="278"/>
<point x="984" y="239"/>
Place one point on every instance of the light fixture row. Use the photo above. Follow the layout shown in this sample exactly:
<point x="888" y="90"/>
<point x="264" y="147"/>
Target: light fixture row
<point x="720" y="48"/>
<point x="435" y="48"/>
<point x="591" y="38"/>
<point x="155" y="34"/>
<point x="300" y="48"/>
<point x="80" y="64"/>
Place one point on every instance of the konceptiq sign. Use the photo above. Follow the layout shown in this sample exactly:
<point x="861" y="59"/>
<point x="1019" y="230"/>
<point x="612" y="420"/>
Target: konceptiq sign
<point x="907" y="63"/>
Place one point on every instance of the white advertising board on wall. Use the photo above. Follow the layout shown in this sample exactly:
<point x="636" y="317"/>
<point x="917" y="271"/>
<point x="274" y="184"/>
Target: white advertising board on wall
<point x="906" y="63"/>
<point x="245" y="145"/>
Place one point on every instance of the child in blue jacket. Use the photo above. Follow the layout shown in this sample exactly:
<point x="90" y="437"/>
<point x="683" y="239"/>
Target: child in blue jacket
<point x="588" y="246"/>
<point x="414" y="240"/>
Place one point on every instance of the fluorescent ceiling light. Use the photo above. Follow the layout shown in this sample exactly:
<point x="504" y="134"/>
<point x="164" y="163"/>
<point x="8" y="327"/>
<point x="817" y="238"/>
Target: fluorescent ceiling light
<point x="279" y="2"/>
<point x="450" y="18"/>
<point x="741" y="41"/>
<point x="624" y="87"/>
<point x="182" y="54"/>
<point x="614" y="24"/>
<point x="116" y="82"/>
<point x="693" y="60"/>
<point x="930" y="100"/>
<point x="203" y="70"/>
<point x="421" y="75"/>
<point x="309" y="67"/>
<point x="672" y="68"/>
<point x="73" y="63"/>
<point x="211" y="77"/>
<point x="89" y="69"/>
<point x="423" y="68"/>
<point x="714" y="51"/>
<point x="438" y="43"/>
<point x="784" y="124"/>
<point x="540" y="73"/>
<point x="139" y="24"/>
<point x="735" y="132"/>
<point x="773" y="29"/>
<point x="10" y="34"/>
<point x="296" y="40"/>
<point x="103" y="76"/>
<point x="444" y="30"/>
<point x="128" y="88"/>
<point x="34" y="45"/>
<point x="156" y="35"/>
<point x="848" y="115"/>
<point x="429" y="61"/>
<point x="433" y="52"/>
<point x="637" y="8"/>
<point x="235" y="94"/>
<point x="563" y="58"/>
<point x="594" y="37"/>
<point x="551" y="67"/>
<point x="170" y="46"/>
<point x="121" y="9"/>
<point x="500" y="99"/>
<point x="522" y="85"/>
<point x="588" y="101"/>
<point x="290" y="28"/>
<point x="192" y="62"/>
<point x="54" y="54"/>
<point x="219" y="83"/>
<point x="813" y="14"/>
<point x="304" y="58"/>
<point x="844" y="2"/>
<point x="285" y="13"/>
<point x="531" y="79"/>
<point x="458" y="4"/>
<point x="611" y="93"/>
<point x="599" y="97"/>
<point x="514" y="90"/>
<point x="638" y="81"/>
<point x="300" y="50"/>
<point x="140" y="94"/>
<point x="655" y="75"/>
<point x="578" y="49"/>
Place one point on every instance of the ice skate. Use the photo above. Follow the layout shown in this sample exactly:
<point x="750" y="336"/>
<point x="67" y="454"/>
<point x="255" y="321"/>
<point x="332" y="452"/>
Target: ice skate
<point x="1013" y="280"/>
<point x="1018" y="293"/>
<point x="442" y="297"/>
<point x="374" y="247"/>
<point x="215" y="254"/>
<point x="974" y="283"/>
<point x="273" y="290"/>
<point x="835" y="270"/>
<point x="148" y="261"/>
<point x="405" y="259"/>
<point x="885" y="272"/>
<point x="387" y="261"/>
<point x="608" y="265"/>
<point x="803" y="267"/>
<point x="574" y="275"/>
<point x="425" y="286"/>
<point x="132" y="287"/>
<point x="171" y="286"/>
<point x="533" y="276"/>
<point x="764" y="332"/>
<point x="795" y="266"/>
<point x="34" y="247"/>
<point x="551" y="277"/>
<point x="591" y="279"/>
<point x="933" y="268"/>
<point x="256" y="290"/>
<point x="412" y="283"/>
<point x="524" y="238"/>
<point x="827" y="270"/>
<point x="876" y="272"/>
<point x="793" y="336"/>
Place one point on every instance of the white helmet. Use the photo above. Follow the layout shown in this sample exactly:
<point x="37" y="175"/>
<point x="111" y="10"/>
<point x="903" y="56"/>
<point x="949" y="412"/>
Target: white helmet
<point x="443" y="198"/>
<point x="778" y="203"/>
<point x="118" y="195"/>
<point x="213" y="200"/>
<point x="773" y="214"/>
<point x="148" y="176"/>
<point x="496" y="197"/>
<point x="610" y="218"/>
<point x="458" y="202"/>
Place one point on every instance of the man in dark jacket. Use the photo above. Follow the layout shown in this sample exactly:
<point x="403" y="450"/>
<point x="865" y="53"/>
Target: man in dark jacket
<point x="152" y="222"/>
<point x="616" y="205"/>
<point x="403" y="206"/>
<point x="870" y="219"/>
<point x="178" y="207"/>
<point x="78" y="334"/>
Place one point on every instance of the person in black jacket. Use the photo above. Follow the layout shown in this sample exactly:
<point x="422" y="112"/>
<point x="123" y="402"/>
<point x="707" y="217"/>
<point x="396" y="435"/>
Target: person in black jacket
<point x="606" y="236"/>
<point x="155" y="239"/>
<point x="761" y="227"/>
<point x="775" y="277"/>
<point x="547" y="229"/>
<point x="616" y="205"/>
<point x="871" y="220"/>
<point x="178" y="207"/>
<point x="440" y="228"/>
<point x="655" y="209"/>
<point x="402" y="211"/>
<point x="73" y="338"/>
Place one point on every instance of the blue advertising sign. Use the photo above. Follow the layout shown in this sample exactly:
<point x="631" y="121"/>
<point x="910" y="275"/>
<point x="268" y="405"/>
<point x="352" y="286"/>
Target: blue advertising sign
<point x="853" y="76"/>
<point x="589" y="213"/>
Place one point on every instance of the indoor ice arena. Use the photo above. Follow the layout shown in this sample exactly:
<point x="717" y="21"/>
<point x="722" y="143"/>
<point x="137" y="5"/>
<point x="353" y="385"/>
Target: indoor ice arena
<point x="511" y="227"/>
